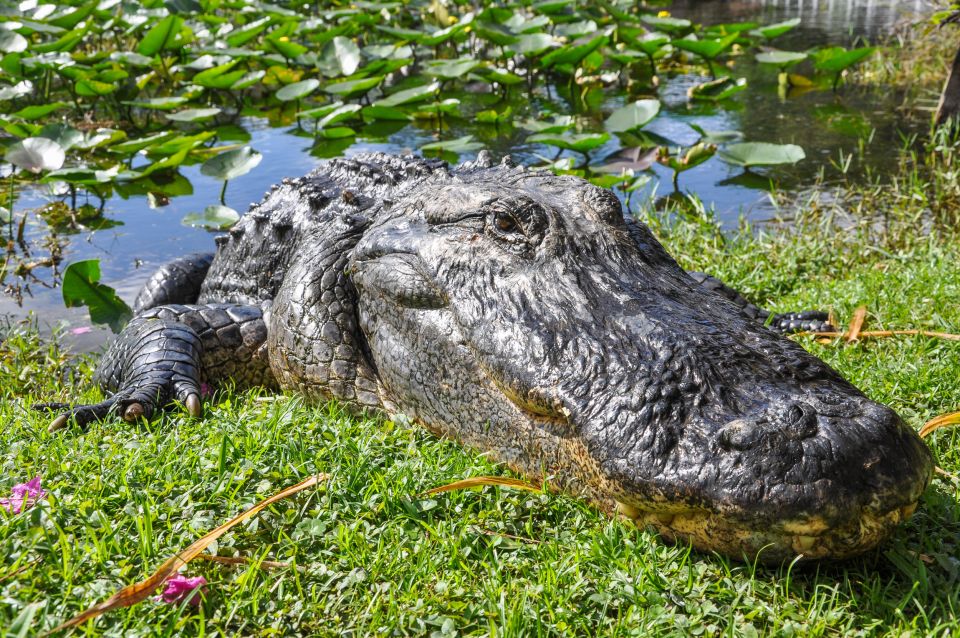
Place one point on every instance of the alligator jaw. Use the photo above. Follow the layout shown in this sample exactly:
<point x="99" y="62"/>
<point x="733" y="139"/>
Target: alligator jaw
<point x="811" y="539"/>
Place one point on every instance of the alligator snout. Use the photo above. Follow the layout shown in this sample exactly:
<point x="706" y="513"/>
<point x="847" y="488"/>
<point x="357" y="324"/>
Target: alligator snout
<point x="794" y="421"/>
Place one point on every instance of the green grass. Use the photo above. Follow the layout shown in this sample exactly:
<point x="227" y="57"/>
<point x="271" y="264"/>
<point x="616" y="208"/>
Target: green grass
<point x="370" y="556"/>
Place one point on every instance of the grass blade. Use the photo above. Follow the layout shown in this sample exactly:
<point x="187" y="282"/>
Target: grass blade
<point x="133" y="594"/>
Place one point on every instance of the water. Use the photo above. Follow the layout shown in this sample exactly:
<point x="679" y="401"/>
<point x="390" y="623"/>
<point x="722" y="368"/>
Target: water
<point x="824" y="124"/>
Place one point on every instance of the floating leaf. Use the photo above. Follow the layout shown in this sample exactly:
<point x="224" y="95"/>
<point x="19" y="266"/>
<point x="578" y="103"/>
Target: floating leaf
<point x="12" y="42"/>
<point x="450" y="69"/>
<point x="159" y="103"/>
<point x="24" y="87"/>
<point x="231" y="164"/>
<point x="707" y="48"/>
<point x="297" y="90"/>
<point x="633" y="159"/>
<point x="772" y="31"/>
<point x="81" y="287"/>
<point x="192" y="115"/>
<point x="632" y="116"/>
<point x="162" y="35"/>
<point x="836" y="59"/>
<point x="782" y="59"/>
<point x="214" y="217"/>
<point x="716" y="90"/>
<point x="341" y="56"/>
<point x="761" y="154"/>
<point x="557" y="124"/>
<point x="39" y="110"/>
<point x="353" y="87"/>
<point x="667" y="24"/>
<point x="36" y="154"/>
<point x="408" y="96"/>
<point x="582" y="143"/>
<point x="463" y="144"/>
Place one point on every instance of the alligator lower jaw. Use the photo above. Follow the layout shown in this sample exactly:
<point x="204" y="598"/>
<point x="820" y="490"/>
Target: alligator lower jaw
<point x="806" y="540"/>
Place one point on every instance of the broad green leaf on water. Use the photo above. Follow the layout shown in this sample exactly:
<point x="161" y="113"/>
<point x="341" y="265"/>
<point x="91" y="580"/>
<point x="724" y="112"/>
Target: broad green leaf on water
<point x="335" y="132"/>
<point x="450" y="69"/>
<point x="685" y="160"/>
<point x="93" y="88"/>
<point x="531" y="44"/>
<point x="231" y="164"/>
<point x="575" y="29"/>
<point x="248" y="80"/>
<point x="192" y="115"/>
<point x="450" y="106"/>
<point x="297" y="90"/>
<point x="353" y="87"/>
<point x="667" y="24"/>
<point x="71" y="17"/>
<point x="782" y="59"/>
<point x="162" y="35"/>
<point x="12" y="42"/>
<point x="629" y="160"/>
<point x="761" y="154"/>
<point x="341" y="113"/>
<point x="573" y="54"/>
<point x="165" y="163"/>
<point x="138" y="144"/>
<point x="39" y="110"/>
<point x="341" y="56"/>
<point x="213" y="217"/>
<point x="716" y="90"/>
<point x="463" y="144"/>
<point x="707" y="49"/>
<point x="409" y="96"/>
<point x="81" y="287"/>
<point x="632" y="116"/>
<point x="385" y="113"/>
<point x="387" y="52"/>
<point x="36" y="154"/>
<point x="582" y="143"/>
<point x="836" y="59"/>
<point x="493" y="117"/>
<point x="501" y="76"/>
<point x="218" y="77"/>
<point x="495" y="33"/>
<point x="159" y="103"/>
<point x="772" y="31"/>
<point x="63" y="134"/>
<point x="24" y="87"/>
<point x="716" y="137"/>
<point x="248" y="32"/>
<point x="557" y="124"/>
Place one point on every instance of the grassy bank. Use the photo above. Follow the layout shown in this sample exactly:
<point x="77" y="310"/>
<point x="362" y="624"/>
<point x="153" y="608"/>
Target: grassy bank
<point x="365" y="554"/>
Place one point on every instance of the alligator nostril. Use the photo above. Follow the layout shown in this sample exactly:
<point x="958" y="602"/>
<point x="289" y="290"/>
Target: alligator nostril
<point x="797" y="420"/>
<point x="740" y="434"/>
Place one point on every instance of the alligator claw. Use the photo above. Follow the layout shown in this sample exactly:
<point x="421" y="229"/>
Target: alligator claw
<point x="133" y="412"/>
<point x="193" y="405"/>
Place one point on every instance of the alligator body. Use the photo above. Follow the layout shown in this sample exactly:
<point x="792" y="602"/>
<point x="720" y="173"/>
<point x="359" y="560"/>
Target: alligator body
<point x="520" y="313"/>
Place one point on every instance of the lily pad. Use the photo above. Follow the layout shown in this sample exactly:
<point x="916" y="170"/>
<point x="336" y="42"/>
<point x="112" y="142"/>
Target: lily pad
<point x="782" y="59"/>
<point x="463" y="144"/>
<point x="748" y="154"/>
<point x="772" y="31"/>
<point x="632" y="116"/>
<point x="297" y="90"/>
<point x="581" y="143"/>
<point x="36" y="154"/>
<point x="193" y="115"/>
<point x="231" y="164"/>
<point x="81" y="287"/>
<point x="214" y="217"/>
<point x="408" y="96"/>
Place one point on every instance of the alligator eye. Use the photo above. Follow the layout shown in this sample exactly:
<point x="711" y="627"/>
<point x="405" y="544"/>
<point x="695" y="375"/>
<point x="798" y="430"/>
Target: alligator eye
<point x="505" y="223"/>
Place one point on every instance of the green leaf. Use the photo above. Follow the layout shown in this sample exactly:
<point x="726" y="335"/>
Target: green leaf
<point x="557" y="124"/>
<point x="231" y="164"/>
<point x="81" y="287"/>
<point x="213" y="217"/>
<point x="761" y="154"/>
<point x="667" y="24"/>
<point x="162" y="36"/>
<point x="40" y="110"/>
<point x="297" y="90"/>
<point x="341" y="56"/>
<point x="716" y="90"/>
<point x="36" y="154"/>
<point x="493" y="117"/>
<point x="836" y="59"/>
<point x="159" y="103"/>
<point x="531" y="44"/>
<point x="706" y="49"/>
<point x="353" y="87"/>
<point x="93" y="88"/>
<point x="12" y="42"/>
<point x="192" y="115"/>
<point x="463" y="144"/>
<point x="63" y="134"/>
<point x="409" y="96"/>
<point x="450" y="69"/>
<point x="385" y="113"/>
<point x="782" y="59"/>
<point x="582" y="143"/>
<point x="241" y="36"/>
<point x="632" y="116"/>
<point x="772" y="31"/>
<point x="574" y="53"/>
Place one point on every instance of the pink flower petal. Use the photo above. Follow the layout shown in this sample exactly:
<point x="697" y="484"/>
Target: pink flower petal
<point x="23" y="496"/>
<point x="82" y="330"/>
<point x="179" y="587"/>
<point x="206" y="390"/>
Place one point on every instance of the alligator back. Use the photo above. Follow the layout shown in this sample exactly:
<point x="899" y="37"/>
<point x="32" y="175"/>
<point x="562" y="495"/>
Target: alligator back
<point x="252" y="260"/>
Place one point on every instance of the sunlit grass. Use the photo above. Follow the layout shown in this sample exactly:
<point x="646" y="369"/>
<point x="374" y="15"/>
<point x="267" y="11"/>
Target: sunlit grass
<point x="367" y="554"/>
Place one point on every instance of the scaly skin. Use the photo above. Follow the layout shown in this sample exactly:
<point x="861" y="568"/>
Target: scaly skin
<point x="520" y="313"/>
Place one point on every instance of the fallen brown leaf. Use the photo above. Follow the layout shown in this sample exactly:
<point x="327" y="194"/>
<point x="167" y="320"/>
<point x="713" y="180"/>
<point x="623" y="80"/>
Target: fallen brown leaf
<point x="941" y="421"/>
<point x="133" y="594"/>
<point x="856" y="323"/>
<point x="480" y="481"/>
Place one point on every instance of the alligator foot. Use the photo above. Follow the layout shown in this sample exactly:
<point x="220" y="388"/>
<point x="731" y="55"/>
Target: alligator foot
<point x="162" y="356"/>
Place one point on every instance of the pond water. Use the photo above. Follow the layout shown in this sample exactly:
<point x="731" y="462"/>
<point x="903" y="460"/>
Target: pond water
<point x="141" y="238"/>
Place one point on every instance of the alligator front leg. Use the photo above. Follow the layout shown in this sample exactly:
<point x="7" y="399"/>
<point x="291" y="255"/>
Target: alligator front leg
<point x="784" y="323"/>
<point x="164" y="354"/>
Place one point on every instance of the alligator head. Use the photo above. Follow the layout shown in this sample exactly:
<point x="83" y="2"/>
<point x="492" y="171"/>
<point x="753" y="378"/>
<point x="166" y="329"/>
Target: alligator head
<point x="520" y="313"/>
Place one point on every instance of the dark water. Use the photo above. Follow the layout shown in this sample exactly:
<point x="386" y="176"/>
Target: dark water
<point x="824" y="124"/>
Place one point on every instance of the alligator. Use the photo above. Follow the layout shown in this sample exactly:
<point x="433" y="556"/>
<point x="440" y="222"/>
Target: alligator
<point x="523" y="314"/>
